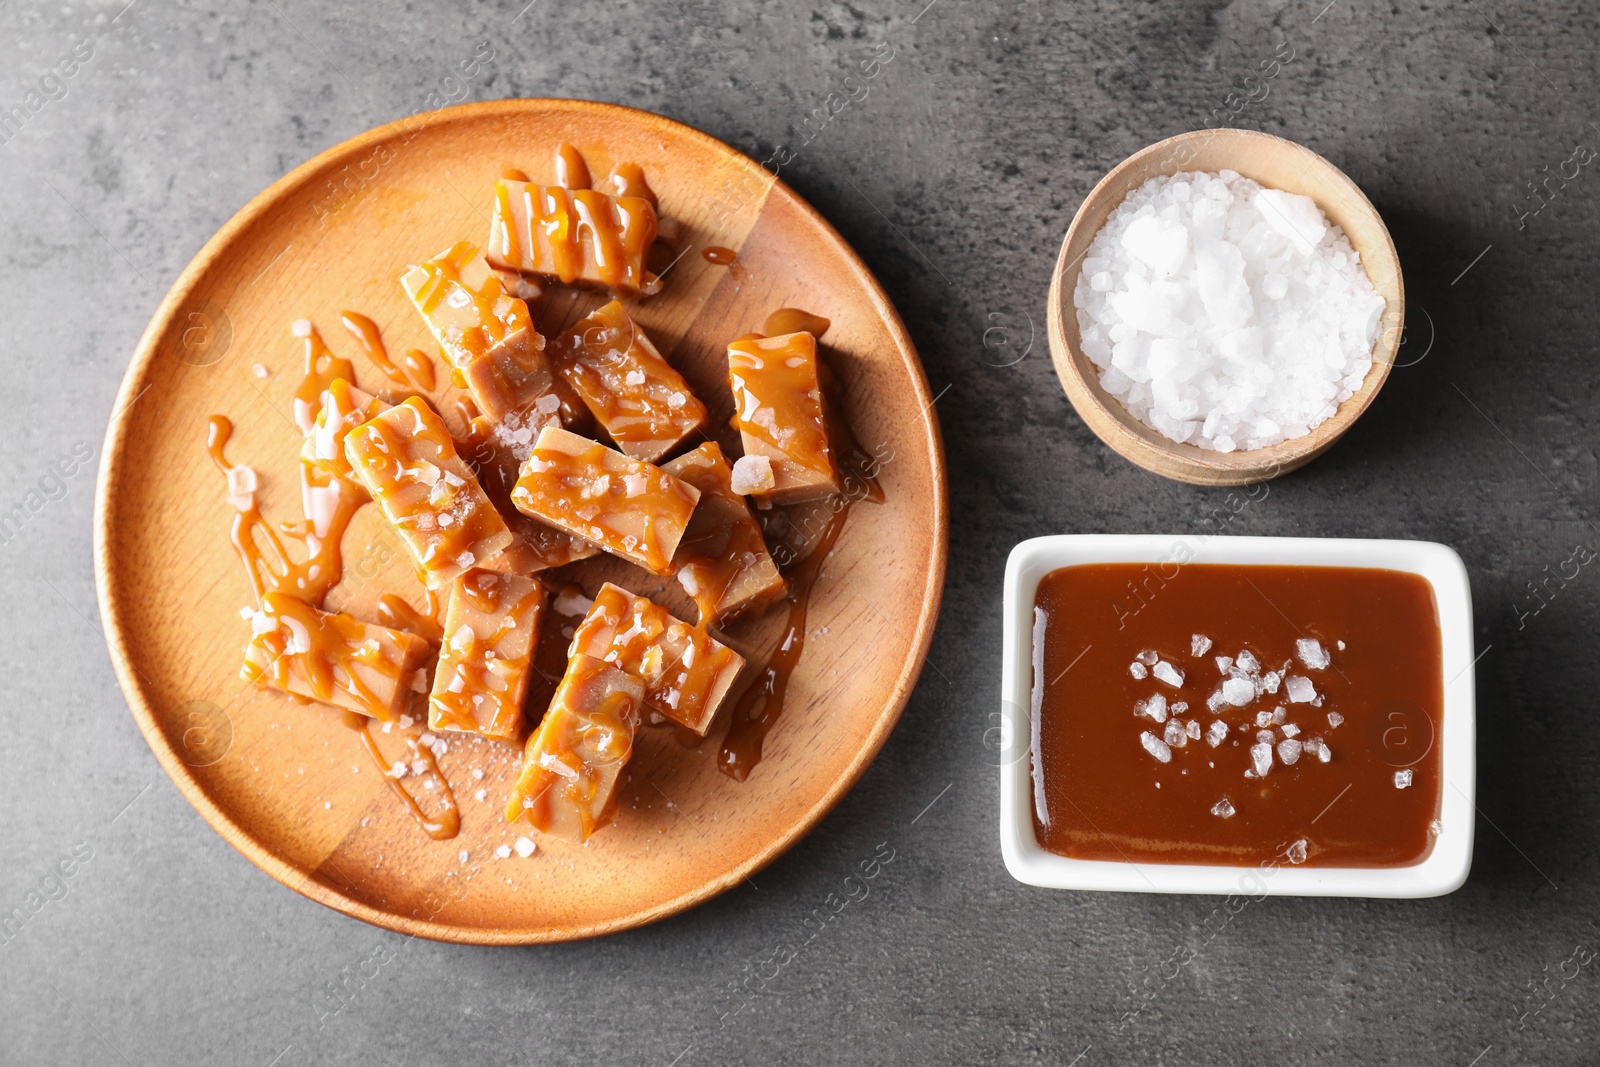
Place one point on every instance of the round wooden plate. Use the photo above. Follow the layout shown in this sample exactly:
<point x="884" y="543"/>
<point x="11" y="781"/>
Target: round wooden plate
<point x="287" y="784"/>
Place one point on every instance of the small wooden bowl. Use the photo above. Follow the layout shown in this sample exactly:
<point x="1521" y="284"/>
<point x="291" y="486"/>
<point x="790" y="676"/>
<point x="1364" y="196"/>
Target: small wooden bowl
<point x="1273" y="162"/>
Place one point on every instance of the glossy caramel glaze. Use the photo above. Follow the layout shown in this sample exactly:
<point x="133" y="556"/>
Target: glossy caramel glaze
<point x="722" y="560"/>
<point x="334" y="658"/>
<point x="760" y="705"/>
<point x="573" y="761"/>
<point x="716" y="254"/>
<point x="496" y="451"/>
<point x="344" y="407"/>
<point x="686" y="672"/>
<point x="780" y="413"/>
<point x="330" y="503"/>
<point x="577" y="237"/>
<point x="572" y="170"/>
<point x="408" y="463"/>
<point x="464" y="304"/>
<point x="441" y="827"/>
<point x="636" y="396"/>
<point x="627" y="179"/>
<point x="419" y="368"/>
<point x="1375" y="708"/>
<point x="491" y="625"/>
<point x="406" y="375"/>
<point x="795" y="320"/>
<point x="395" y="613"/>
<point x="630" y="508"/>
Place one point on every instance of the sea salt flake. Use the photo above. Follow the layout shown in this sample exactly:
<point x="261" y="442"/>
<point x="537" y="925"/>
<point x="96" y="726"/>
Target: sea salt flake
<point x="1261" y="758"/>
<point x="1156" y="747"/>
<point x="1216" y="732"/>
<point x="1224" y="664"/>
<point x="1222" y="809"/>
<point x="1238" y="691"/>
<point x="1192" y="728"/>
<point x="1148" y="657"/>
<point x="1334" y="719"/>
<point x="1199" y="645"/>
<point x="1296" y="853"/>
<point x="1311" y="653"/>
<point x="1290" y="730"/>
<point x="1402" y="779"/>
<point x="1168" y="674"/>
<point x="1288" y="751"/>
<point x="1138" y="670"/>
<point x="1300" y="689"/>
<point x="525" y="847"/>
<point x="1175" y="735"/>
<point x="1246" y="662"/>
<point x="1153" y="707"/>
<point x="502" y="852"/>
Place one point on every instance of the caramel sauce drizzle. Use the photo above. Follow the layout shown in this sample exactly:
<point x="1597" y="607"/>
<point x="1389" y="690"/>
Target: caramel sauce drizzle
<point x="722" y="257"/>
<point x="480" y="661"/>
<point x="303" y="584"/>
<point x="499" y="315"/>
<point x="587" y="493"/>
<point x="513" y="174"/>
<point x="397" y="614"/>
<point x="679" y="664"/>
<point x="321" y="651"/>
<point x="722" y="553"/>
<point x="617" y="232"/>
<point x="794" y="320"/>
<point x="761" y="704"/>
<point x="441" y="827"/>
<point x="267" y="562"/>
<point x="366" y="332"/>
<point x="572" y="170"/>
<point x="627" y="179"/>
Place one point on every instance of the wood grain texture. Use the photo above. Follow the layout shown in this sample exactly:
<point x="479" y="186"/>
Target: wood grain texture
<point x="288" y="785"/>
<point x="1273" y="162"/>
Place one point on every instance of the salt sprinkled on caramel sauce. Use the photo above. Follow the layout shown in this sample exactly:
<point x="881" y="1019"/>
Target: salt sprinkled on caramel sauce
<point x="330" y="501"/>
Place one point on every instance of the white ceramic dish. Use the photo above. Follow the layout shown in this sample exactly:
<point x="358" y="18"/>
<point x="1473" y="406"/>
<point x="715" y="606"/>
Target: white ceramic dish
<point x="1442" y="871"/>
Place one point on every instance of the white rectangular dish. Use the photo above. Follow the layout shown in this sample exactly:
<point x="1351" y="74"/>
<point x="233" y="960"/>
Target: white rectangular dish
<point x="1444" y="868"/>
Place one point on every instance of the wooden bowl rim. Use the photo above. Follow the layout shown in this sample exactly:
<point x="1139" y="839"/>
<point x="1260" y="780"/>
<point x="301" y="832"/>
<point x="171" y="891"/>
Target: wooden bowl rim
<point x="1146" y="446"/>
<point x="304" y="881"/>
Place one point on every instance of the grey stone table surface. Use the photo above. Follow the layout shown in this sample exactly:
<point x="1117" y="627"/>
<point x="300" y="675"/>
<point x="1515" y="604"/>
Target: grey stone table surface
<point x="955" y="176"/>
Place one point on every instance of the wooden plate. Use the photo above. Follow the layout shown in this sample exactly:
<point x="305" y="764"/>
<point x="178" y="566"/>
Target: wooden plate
<point x="287" y="784"/>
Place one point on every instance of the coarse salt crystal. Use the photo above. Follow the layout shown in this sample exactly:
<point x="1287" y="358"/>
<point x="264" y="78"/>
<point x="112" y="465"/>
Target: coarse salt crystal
<point x="1224" y="663"/>
<point x="1148" y="657"/>
<point x="525" y="847"/>
<point x="1224" y="314"/>
<point x="1311" y="653"/>
<point x="1168" y="674"/>
<point x="1138" y="670"/>
<point x="1290" y="730"/>
<point x="1238" y="691"/>
<point x="1175" y="735"/>
<point x="1300" y="689"/>
<point x="1261" y="758"/>
<point x="1296" y="853"/>
<point x="1155" y="746"/>
<point x="752" y="474"/>
<point x="1334" y="719"/>
<point x="1192" y="728"/>
<point x="502" y="852"/>
<point x="1246" y="662"/>
<point x="1222" y="809"/>
<point x="1402" y="779"/>
<point x="1154" y="707"/>
<point x="1216" y="732"/>
<point x="1199" y="645"/>
<point x="1288" y="751"/>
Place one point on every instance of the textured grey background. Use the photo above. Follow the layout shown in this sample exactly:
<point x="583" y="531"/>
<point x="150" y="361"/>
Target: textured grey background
<point x="955" y="177"/>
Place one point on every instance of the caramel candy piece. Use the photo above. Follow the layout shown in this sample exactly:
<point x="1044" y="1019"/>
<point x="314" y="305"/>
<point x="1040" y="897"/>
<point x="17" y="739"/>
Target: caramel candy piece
<point x="641" y="402"/>
<point x="334" y="658"/>
<point x="486" y="333"/>
<point x="780" y="414"/>
<point x="632" y="509"/>
<point x="490" y="626"/>
<point x="686" y="672"/>
<point x="407" y="461"/>
<point x="573" y="760"/>
<point x="344" y="407"/>
<point x="492" y="449"/>
<point x="578" y="237"/>
<point x="722" y="560"/>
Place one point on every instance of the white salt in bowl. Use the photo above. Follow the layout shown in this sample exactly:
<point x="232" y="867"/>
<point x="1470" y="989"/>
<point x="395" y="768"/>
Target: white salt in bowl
<point x="1277" y="164"/>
